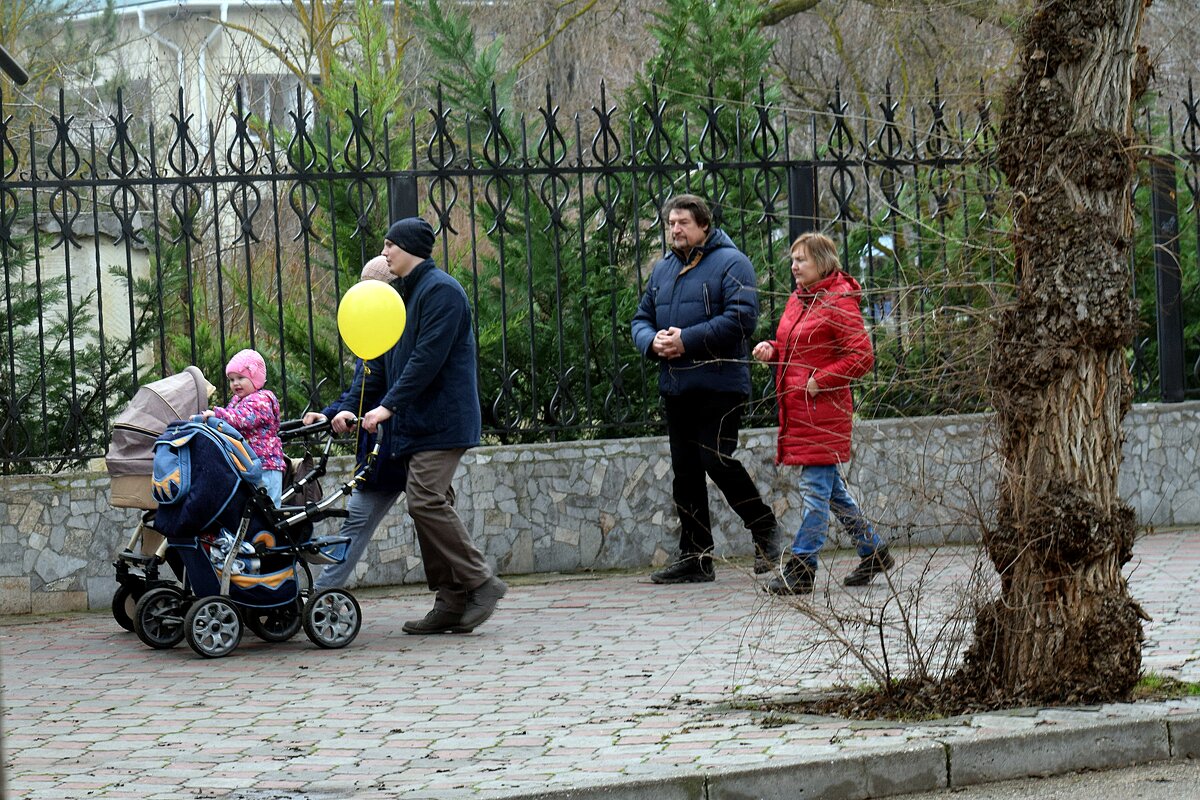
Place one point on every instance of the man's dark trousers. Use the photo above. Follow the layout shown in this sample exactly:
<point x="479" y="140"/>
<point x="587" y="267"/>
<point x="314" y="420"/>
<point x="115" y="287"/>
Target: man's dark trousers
<point x="703" y="431"/>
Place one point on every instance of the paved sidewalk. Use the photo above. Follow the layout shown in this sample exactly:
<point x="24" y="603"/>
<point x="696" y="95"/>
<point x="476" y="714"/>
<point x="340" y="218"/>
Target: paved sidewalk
<point x="579" y="686"/>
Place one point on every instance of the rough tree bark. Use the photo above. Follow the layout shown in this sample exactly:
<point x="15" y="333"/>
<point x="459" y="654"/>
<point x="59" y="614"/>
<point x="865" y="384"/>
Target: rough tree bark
<point x="1065" y="628"/>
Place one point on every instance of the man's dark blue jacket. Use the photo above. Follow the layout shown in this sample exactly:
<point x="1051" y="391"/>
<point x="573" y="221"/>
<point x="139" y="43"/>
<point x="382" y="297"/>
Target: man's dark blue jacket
<point x="427" y="380"/>
<point x="711" y="295"/>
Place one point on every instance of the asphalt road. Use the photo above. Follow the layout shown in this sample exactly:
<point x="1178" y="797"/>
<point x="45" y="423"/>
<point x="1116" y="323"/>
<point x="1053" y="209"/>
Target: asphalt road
<point x="1167" y="780"/>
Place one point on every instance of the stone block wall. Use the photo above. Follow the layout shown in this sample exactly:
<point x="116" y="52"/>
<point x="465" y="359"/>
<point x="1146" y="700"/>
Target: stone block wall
<point x="599" y="505"/>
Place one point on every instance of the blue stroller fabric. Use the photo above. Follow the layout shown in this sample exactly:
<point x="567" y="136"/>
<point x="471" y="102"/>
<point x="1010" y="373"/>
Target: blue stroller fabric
<point x="200" y="467"/>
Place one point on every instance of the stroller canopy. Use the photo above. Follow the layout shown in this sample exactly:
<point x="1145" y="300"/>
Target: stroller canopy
<point x="153" y="407"/>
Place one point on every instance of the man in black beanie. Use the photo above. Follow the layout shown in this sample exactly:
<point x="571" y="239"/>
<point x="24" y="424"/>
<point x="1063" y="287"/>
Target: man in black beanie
<point x="412" y="235"/>
<point x="430" y="401"/>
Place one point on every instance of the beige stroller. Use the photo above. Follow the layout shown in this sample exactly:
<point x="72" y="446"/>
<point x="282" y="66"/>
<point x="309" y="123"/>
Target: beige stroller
<point x="130" y="460"/>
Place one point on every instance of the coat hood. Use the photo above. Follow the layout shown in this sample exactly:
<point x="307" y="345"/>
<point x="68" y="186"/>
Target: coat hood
<point x="836" y="282"/>
<point x="717" y="239"/>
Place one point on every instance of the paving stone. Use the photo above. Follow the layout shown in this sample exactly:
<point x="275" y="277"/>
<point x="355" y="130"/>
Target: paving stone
<point x="606" y="687"/>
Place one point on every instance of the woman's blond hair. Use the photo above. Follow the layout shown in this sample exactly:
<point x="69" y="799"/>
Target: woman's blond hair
<point x="821" y="251"/>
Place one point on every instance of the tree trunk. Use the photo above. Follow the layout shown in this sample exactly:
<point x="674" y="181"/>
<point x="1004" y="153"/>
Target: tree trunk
<point x="1065" y="628"/>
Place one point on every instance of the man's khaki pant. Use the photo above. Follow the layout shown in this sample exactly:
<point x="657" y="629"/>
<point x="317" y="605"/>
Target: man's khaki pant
<point x="453" y="565"/>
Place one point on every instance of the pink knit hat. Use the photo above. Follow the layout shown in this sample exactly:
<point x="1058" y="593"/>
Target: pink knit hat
<point x="377" y="270"/>
<point x="250" y="364"/>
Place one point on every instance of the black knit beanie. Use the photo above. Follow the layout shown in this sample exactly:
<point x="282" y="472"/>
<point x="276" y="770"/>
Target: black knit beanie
<point x="412" y="235"/>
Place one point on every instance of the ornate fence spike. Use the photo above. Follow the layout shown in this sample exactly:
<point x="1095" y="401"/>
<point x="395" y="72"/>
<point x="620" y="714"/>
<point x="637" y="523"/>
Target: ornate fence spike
<point x="182" y="154"/>
<point x="241" y="155"/>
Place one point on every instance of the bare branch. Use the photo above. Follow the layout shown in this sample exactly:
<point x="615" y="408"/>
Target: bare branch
<point x="989" y="11"/>
<point x="780" y="10"/>
<point x="550" y="38"/>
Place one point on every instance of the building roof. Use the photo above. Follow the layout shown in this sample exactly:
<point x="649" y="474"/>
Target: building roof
<point x="91" y="8"/>
<point x="94" y="7"/>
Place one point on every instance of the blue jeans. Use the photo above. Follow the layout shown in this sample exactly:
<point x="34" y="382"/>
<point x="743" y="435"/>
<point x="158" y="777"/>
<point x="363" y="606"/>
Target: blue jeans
<point x="273" y="483"/>
<point x="825" y="491"/>
<point x="367" y="509"/>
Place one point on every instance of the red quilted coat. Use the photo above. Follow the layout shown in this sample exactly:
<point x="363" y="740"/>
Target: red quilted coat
<point x="821" y="335"/>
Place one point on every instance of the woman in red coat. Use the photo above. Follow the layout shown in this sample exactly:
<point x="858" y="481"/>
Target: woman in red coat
<point x="819" y="348"/>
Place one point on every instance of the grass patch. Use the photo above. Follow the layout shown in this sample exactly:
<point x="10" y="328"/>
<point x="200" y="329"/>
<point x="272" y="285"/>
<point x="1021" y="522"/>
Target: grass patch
<point x="1153" y="686"/>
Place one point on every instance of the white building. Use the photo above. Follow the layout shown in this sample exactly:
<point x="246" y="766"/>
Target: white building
<point x="207" y="48"/>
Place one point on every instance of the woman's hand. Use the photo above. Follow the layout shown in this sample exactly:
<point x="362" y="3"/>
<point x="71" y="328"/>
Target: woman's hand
<point x="813" y="389"/>
<point x="764" y="351"/>
<point x="343" y="421"/>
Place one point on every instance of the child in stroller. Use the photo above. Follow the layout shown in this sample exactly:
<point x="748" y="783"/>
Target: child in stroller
<point x="237" y="558"/>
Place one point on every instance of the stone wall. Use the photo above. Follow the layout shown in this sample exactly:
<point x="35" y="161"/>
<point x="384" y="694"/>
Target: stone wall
<point x="607" y="504"/>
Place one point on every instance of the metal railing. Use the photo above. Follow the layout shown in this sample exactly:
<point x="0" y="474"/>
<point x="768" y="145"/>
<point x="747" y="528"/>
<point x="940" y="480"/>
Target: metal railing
<point x="130" y="251"/>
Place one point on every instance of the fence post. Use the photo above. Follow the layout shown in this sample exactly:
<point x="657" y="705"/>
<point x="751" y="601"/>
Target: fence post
<point x="1168" y="280"/>
<point x="802" y="200"/>
<point x="402" y="196"/>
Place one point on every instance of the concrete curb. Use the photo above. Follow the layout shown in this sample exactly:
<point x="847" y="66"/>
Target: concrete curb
<point x="923" y="767"/>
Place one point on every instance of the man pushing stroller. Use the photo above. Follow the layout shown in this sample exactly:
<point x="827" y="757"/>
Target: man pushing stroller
<point x="428" y="412"/>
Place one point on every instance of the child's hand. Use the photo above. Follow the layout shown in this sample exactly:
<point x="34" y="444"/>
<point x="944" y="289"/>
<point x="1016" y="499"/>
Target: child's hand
<point x="208" y="412"/>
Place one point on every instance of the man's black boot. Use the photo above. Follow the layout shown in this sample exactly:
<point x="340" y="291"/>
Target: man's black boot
<point x="481" y="602"/>
<point x="687" y="568"/>
<point x="767" y="550"/>
<point x="875" y="564"/>
<point x="796" y="577"/>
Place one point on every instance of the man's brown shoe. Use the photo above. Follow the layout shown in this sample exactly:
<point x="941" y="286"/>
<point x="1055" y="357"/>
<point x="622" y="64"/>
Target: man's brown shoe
<point x="436" y="621"/>
<point x="481" y="602"/>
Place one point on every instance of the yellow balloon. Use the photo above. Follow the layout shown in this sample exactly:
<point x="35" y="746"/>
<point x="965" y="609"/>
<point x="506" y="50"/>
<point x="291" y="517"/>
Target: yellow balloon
<point x="371" y="318"/>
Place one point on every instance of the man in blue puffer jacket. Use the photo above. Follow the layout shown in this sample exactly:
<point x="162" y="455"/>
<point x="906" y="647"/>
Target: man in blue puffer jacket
<point x="695" y="318"/>
<point x="430" y="404"/>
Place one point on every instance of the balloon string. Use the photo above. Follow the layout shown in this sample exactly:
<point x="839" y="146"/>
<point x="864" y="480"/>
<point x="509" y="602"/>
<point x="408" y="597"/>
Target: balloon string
<point x="359" y="444"/>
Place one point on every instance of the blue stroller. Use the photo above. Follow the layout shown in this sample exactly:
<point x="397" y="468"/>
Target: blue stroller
<point x="241" y="561"/>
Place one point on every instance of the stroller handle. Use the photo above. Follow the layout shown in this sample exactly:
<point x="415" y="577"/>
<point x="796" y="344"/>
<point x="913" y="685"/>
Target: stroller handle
<point x="296" y="429"/>
<point x="312" y="512"/>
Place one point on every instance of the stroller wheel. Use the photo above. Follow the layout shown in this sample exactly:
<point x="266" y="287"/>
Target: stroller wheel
<point x="124" y="606"/>
<point x="332" y="618"/>
<point x="158" y="617"/>
<point x="275" y="624"/>
<point x="213" y="626"/>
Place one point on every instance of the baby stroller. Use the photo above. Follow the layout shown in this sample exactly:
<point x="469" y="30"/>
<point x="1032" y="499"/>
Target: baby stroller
<point x="237" y="560"/>
<point x="130" y="457"/>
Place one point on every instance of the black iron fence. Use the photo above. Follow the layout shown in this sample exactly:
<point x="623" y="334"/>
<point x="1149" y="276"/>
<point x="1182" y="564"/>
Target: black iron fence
<point x="130" y="251"/>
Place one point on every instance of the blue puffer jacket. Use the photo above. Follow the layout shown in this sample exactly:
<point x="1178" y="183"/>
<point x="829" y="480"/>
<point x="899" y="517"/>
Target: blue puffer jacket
<point x="714" y="302"/>
<point x="428" y="379"/>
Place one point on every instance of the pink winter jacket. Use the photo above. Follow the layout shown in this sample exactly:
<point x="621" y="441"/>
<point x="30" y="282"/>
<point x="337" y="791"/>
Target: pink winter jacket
<point x="256" y="416"/>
